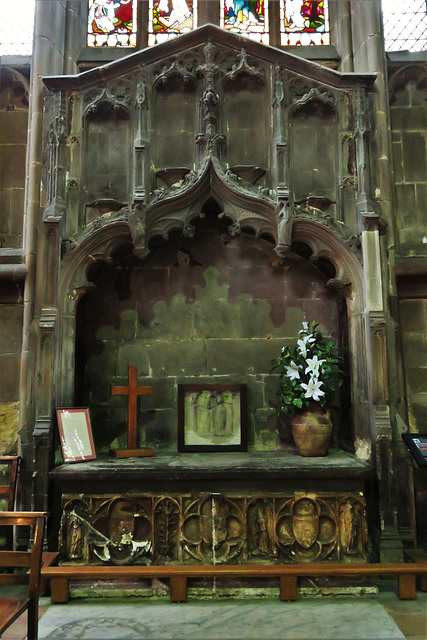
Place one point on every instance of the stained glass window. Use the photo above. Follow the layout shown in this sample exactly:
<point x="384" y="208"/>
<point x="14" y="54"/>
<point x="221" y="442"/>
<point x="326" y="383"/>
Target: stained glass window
<point x="405" y="26"/>
<point x="247" y="18"/>
<point x="112" y="23"/>
<point x="169" y="18"/>
<point x="304" y="22"/>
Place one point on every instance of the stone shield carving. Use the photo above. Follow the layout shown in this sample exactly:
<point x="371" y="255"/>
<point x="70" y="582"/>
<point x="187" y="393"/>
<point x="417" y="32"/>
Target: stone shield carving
<point x="305" y="521"/>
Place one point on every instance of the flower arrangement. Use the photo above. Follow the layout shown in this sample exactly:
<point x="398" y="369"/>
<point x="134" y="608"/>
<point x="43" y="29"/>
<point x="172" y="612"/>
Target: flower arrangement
<point x="309" y="371"/>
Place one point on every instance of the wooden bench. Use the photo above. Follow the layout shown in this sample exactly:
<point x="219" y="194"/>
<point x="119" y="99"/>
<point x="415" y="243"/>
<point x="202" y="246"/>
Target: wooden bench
<point x="12" y="606"/>
<point x="178" y="574"/>
<point x="9" y="470"/>
<point x="418" y="556"/>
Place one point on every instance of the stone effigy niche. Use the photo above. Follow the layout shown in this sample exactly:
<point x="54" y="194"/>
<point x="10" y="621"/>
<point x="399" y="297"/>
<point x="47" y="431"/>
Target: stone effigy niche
<point x="141" y="529"/>
<point x="209" y="309"/>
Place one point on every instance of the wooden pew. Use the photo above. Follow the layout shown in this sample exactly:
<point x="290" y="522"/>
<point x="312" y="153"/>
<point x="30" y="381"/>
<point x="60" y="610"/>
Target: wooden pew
<point x="9" y="469"/>
<point x="11" y="607"/>
<point x="418" y="555"/>
<point x="178" y="574"/>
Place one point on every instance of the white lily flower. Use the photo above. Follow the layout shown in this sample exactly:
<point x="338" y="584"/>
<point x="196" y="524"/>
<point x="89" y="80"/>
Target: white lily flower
<point x="304" y="328"/>
<point x="302" y="348"/>
<point x="292" y="371"/>
<point x="312" y="389"/>
<point x="314" y="366"/>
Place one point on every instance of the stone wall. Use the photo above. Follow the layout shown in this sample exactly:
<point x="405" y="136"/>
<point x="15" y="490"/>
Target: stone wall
<point x="409" y="137"/>
<point x="413" y="317"/>
<point x="13" y="143"/>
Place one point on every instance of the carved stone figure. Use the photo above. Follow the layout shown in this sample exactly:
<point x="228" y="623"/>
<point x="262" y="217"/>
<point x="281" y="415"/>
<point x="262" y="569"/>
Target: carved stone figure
<point x="261" y="534"/>
<point x="75" y="538"/>
<point x="284" y="229"/>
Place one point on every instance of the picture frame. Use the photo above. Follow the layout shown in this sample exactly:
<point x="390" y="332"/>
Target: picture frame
<point x="75" y="433"/>
<point x="212" y="417"/>
<point x="417" y="445"/>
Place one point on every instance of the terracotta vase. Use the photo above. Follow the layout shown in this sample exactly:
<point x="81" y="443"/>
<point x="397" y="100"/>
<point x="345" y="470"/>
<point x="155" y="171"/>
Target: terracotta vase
<point x="312" y="431"/>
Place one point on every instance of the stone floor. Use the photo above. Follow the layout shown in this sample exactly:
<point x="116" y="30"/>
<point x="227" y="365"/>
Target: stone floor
<point x="320" y="618"/>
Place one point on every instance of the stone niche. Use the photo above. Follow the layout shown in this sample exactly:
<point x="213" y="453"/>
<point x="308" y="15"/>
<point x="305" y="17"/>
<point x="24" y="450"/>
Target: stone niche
<point x="213" y="308"/>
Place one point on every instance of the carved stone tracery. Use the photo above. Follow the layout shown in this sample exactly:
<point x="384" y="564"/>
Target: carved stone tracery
<point x="134" y="529"/>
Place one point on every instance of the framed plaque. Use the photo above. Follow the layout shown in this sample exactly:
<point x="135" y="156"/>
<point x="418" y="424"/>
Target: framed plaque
<point x="417" y="445"/>
<point x="75" y="432"/>
<point x="212" y="417"/>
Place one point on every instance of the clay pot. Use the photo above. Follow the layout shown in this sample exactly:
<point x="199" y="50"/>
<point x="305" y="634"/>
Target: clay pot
<point x="312" y="431"/>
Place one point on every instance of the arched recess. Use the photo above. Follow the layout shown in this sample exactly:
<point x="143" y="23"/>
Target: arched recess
<point x="326" y="249"/>
<point x="349" y="280"/>
<point x="73" y="285"/>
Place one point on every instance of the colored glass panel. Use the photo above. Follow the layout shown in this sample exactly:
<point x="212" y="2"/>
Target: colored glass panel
<point x="246" y="17"/>
<point x="112" y="23"/>
<point x="169" y="18"/>
<point x="304" y="22"/>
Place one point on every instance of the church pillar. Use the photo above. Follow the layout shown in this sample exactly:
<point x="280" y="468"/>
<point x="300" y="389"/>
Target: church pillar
<point x="369" y="56"/>
<point x="37" y="343"/>
<point x="341" y="33"/>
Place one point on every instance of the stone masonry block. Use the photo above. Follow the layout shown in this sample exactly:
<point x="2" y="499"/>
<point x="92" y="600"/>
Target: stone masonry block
<point x="416" y="350"/>
<point x="414" y="157"/>
<point x="12" y="166"/>
<point x="413" y="316"/>
<point x="397" y="161"/>
<point x="160" y="431"/>
<point x="416" y="378"/>
<point x="13" y="127"/>
<point x="264" y="426"/>
<point x="176" y="358"/>
<point x="11" y="328"/>
<point x="405" y="198"/>
<point x="241" y="356"/>
<point x="9" y="368"/>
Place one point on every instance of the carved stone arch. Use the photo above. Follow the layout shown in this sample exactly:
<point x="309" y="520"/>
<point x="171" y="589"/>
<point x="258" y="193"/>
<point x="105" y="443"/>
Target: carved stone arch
<point x="13" y="89"/>
<point x="349" y="281"/>
<point x="179" y="74"/>
<point x="414" y="73"/>
<point x="323" y="101"/>
<point x="98" y="101"/>
<point x="326" y="244"/>
<point x="241" y="203"/>
<point x="242" y="73"/>
<point x="74" y="283"/>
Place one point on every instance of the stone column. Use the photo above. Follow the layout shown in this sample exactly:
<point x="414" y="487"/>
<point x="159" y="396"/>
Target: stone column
<point x="37" y="357"/>
<point x="375" y="202"/>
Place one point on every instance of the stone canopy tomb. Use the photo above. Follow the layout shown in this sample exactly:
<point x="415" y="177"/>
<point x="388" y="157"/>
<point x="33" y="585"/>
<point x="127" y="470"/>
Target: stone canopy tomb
<point x="203" y="198"/>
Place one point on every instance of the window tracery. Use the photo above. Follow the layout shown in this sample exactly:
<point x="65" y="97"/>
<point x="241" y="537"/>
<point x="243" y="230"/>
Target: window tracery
<point x="405" y="27"/>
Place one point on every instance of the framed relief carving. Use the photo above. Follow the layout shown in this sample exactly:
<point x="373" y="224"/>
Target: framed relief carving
<point x="212" y="417"/>
<point x="76" y="435"/>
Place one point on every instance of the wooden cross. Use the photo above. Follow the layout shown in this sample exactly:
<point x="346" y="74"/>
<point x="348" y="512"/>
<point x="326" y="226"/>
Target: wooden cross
<point x="132" y="391"/>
